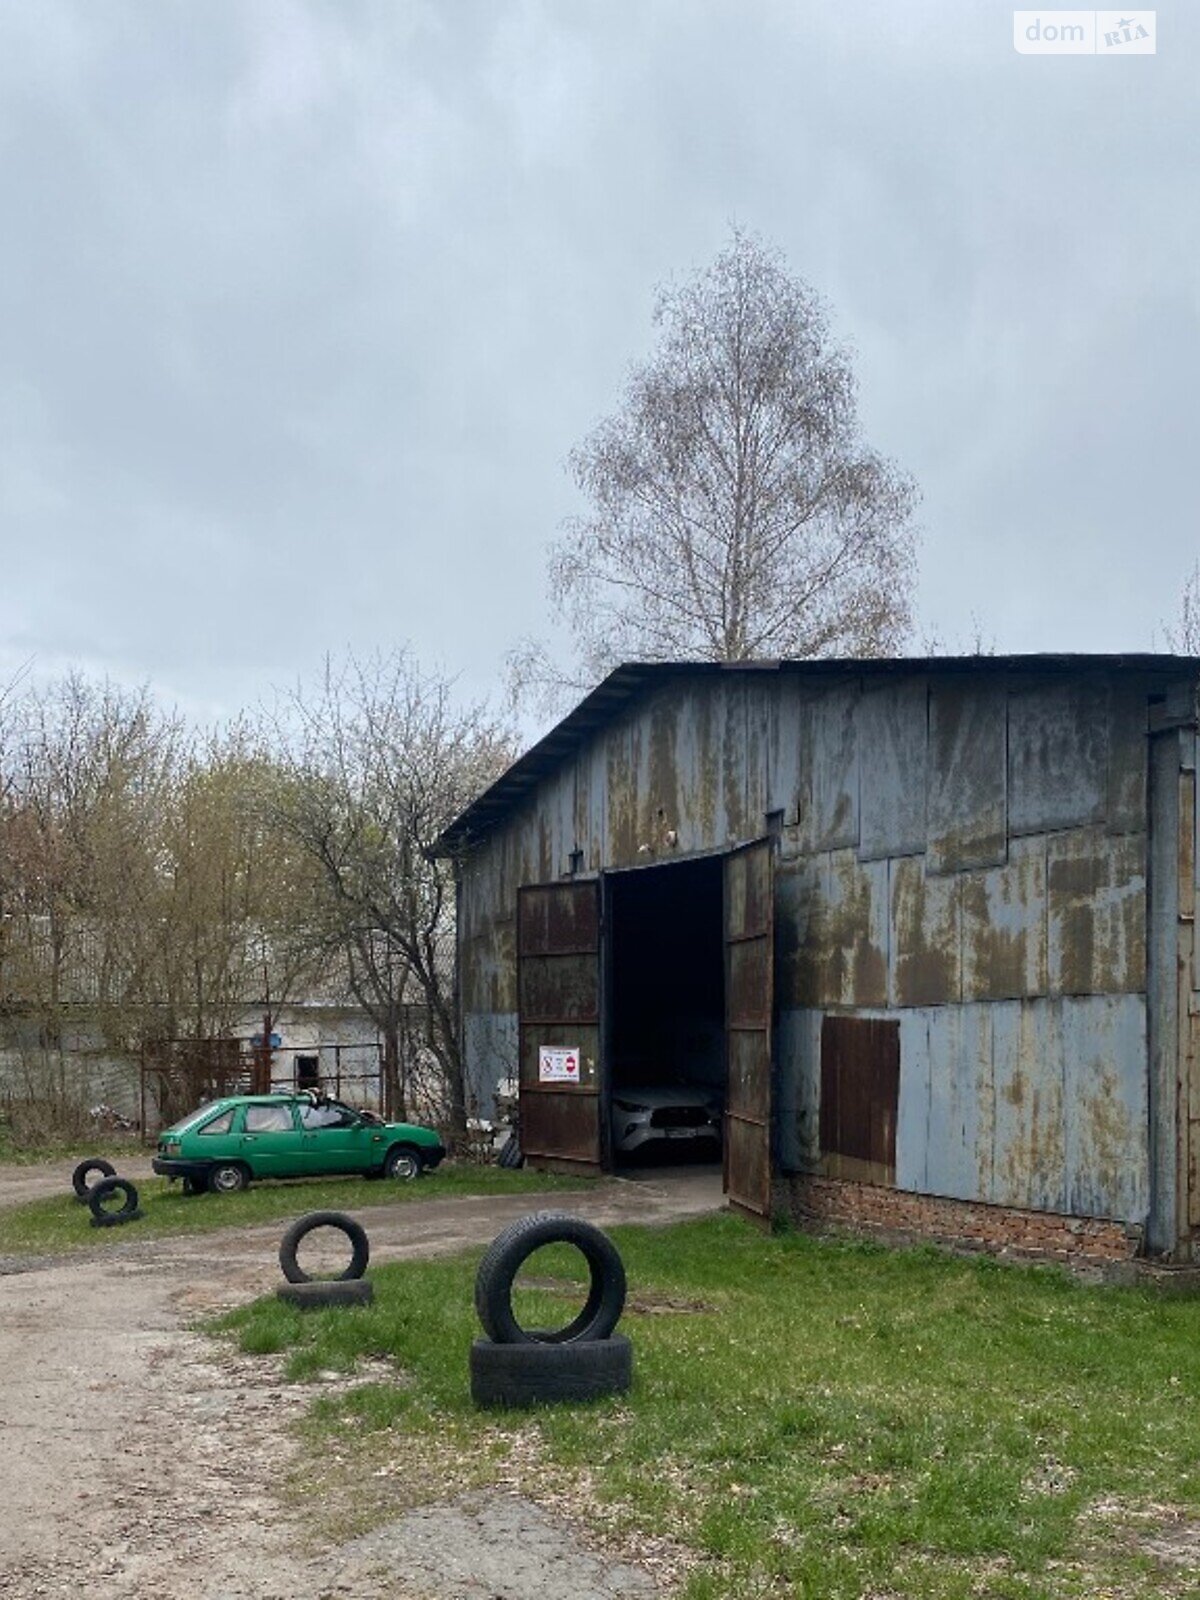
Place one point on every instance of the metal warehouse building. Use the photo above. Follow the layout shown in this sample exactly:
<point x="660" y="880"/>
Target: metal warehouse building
<point x="925" y="926"/>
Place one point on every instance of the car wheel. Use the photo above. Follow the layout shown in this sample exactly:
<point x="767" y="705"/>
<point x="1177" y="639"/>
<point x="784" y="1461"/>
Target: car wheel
<point x="360" y="1249"/>
<point x="79" y="1178"/>
<point x="227" y="1177"/>
<point x="403" y="1163"/>
<point x="512" y="1247"/>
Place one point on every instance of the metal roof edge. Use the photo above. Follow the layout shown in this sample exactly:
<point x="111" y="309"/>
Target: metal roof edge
<point x="625" y="682"/>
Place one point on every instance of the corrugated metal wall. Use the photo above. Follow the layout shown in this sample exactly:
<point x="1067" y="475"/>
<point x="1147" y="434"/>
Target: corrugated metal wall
<point x="966" y="852"/>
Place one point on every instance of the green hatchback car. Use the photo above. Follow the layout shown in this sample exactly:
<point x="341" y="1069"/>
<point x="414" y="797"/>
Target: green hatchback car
<point x="227" y="1143"/>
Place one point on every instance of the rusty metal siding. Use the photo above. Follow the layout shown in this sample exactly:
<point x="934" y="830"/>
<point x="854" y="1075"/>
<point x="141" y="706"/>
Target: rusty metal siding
<point x="798" y="1101"/>
<point x="1038" y="1103"/>
<point x="787" y="756"/>
<point x="966" y="799"/>
<point x="1058" y="742"/>
<point x="1097" y="912"/>
<point x="1004" y="926"/>
<point x="925" y="935"/>
<point x="833" y="941"/>
<point x="490" y="1044"/>
<point x="959" y="1136"/>
<point x="1128" y="764"/>
<point x="1107" y="1107"/>
<point x="828" y="785"/>
<point x="1029" y="1152"/>
<point x="893" y="724"/>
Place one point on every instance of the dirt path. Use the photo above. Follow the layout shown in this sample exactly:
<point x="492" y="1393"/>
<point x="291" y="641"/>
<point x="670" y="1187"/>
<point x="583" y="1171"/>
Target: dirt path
<point x="135" y="1460"/>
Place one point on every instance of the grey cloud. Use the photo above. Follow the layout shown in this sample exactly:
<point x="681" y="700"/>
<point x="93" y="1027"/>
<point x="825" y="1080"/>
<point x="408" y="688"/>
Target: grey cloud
<point x="303" y="306"/>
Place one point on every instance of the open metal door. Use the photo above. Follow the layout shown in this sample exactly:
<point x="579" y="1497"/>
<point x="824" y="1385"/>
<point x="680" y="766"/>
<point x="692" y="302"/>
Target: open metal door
<point x="749" y="1004"/>
<point x="558" y="983"/>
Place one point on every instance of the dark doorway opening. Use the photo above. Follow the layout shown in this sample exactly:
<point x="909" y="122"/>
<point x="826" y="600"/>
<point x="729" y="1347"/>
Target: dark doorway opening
<point x="665" y="1039"/>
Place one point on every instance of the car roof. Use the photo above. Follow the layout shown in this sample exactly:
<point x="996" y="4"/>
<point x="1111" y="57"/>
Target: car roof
<point x="256" y="1100"/>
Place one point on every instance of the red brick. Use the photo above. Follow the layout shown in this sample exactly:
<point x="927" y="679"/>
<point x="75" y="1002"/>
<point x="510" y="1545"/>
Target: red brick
<point x="959" y="1224"/>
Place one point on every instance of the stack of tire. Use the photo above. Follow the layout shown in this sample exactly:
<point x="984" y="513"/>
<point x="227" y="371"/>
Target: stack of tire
<point x="349" y="1288"/>
<point x="99" y="1196"/>
<point x="587" y="1359"/>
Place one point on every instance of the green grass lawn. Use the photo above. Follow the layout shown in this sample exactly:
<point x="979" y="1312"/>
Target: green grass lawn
<point x="808" y="1419"/>
<point x="50" y="1227"/>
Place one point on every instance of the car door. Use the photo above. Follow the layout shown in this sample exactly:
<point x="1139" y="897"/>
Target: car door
<point x="336" y="1139"/>
<point x="272" y="1141"/>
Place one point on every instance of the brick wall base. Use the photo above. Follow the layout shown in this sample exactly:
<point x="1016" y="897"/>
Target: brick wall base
<point x="1091" y="1243"/>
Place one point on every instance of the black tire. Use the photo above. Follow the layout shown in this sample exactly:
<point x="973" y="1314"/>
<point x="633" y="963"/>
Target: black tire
<point x="511" y="1248"/>
<point x="228" y="1177"/>
<point x="316" y="1296"/>
<point x="531" y="1374"/>
<point x="354" y="1231"/>
<point x="510" y="1153"/>
<point x="79" y="1178"/>
<point x="105" y="1190"/>
<point x="403" y="1163"/>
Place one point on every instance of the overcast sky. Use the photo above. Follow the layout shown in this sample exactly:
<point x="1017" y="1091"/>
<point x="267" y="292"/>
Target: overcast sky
<point x="304" y="304"/>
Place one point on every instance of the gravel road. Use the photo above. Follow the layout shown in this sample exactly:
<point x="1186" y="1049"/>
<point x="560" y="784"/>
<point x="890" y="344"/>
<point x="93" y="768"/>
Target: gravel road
<point x="137" y="1461"/>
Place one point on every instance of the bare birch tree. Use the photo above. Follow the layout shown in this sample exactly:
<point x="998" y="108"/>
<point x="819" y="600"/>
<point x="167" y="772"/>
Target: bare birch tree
<point x="736" y="512"/>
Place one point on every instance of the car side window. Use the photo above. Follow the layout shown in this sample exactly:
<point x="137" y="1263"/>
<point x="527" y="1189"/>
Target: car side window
<point x="221" y="1124"/>
<point x="327" y="1116"/>
<point x="269" y="1119"/>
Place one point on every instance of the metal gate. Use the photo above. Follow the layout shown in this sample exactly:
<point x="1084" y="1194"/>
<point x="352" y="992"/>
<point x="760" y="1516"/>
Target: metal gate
<point x="749" y="1003"/>
<point x="558" y="983"/>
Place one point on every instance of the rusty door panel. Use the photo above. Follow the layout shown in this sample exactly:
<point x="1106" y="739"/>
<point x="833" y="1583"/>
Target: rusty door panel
<point x="749" y="983"/>
<point x="559" y="988"/>
<point x="749" y="1004"/>
<point x="747" y="1168"/>
<point x="558" y="984"/>
<point x="555" y="1131"/>
<point x="556" y="919"/>
<point x="860" y="1092"/>
<point x="748" y="1089"/>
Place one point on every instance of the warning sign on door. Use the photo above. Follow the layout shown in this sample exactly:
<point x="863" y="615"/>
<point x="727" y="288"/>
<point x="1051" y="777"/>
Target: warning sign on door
<point x="558" y="1064"/>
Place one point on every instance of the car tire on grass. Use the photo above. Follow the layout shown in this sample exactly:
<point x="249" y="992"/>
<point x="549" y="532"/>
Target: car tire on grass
<point x="79" y="1178"/>
<point x="527" y="1374"/>
<point x="509" y="1250"/>
<point x="359" y="1244"/>
<point x="228" y="1177"/>
<point x="403" y="1163"/>
<point x="129" y="1211"/>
